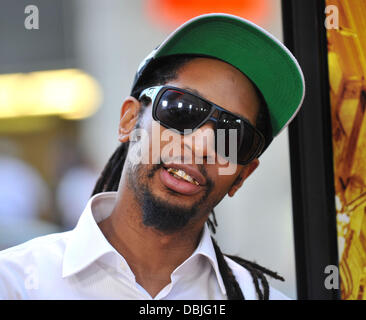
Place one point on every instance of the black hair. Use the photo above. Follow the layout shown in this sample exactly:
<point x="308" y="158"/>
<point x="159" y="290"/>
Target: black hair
<point x="159" y="72"/>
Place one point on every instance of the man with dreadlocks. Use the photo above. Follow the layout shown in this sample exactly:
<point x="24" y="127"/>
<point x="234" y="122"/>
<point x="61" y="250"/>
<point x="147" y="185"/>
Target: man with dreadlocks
<point x="144" y="233"/>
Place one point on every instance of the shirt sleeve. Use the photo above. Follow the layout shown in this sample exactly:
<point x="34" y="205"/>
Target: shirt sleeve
<point x="12" y="278"/>
<point x="5" y="293"/>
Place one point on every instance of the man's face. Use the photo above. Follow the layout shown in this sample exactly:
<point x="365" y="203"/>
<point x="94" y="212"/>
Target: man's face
<point x="168" y="202"/>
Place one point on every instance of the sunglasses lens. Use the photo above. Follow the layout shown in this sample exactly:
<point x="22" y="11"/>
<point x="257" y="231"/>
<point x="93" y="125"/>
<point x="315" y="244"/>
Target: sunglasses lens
<point x="181" y="111"/>
<point x="250" y="145"/>
<point x="227" y="122"/>
<point x="248" y="141"/>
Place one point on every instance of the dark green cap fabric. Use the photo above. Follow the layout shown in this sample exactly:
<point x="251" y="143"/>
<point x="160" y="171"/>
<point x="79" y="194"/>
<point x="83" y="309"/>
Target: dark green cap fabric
<point x="251" y="49"/>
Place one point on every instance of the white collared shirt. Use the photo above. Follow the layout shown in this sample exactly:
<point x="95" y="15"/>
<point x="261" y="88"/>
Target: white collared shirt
<point x="82" y="264"/>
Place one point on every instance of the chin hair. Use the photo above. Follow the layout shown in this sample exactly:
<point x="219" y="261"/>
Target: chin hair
<point x="159" y="213"/>
<point x="163" y="216"/>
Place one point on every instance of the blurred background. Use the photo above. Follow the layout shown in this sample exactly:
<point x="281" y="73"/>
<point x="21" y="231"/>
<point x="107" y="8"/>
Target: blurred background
<point x="62" y="81"/>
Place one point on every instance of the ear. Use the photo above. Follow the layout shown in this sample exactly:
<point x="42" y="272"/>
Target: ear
<point x="245" y="172"/>
<point x="129" y="115"/>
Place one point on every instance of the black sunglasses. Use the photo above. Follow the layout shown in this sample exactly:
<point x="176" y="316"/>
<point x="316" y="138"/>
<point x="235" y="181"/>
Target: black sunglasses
<point x="180" y="109"/>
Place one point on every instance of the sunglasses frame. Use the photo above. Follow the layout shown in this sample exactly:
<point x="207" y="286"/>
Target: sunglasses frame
<point x="155" y="93"/>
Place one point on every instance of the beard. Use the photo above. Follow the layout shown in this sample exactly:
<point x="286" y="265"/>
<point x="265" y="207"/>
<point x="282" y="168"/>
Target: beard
<point x="159" y="213"/>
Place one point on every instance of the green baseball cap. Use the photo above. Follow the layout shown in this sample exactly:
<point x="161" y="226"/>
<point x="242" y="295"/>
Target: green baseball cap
<point x="249" y="48"/>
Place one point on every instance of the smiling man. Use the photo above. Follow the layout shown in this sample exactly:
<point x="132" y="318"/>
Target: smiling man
<point x="145" y="232"/>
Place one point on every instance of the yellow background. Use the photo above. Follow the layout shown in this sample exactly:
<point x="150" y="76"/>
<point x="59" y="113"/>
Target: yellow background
<point x="347" y="71"/>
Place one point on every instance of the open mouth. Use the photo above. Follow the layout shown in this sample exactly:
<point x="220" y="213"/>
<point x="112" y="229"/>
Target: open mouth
<point x="181" y="174"/>
<point x="176" y="178"/>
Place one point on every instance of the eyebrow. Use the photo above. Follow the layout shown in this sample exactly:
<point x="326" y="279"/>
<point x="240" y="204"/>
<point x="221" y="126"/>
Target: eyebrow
<point x="201" y="95"/>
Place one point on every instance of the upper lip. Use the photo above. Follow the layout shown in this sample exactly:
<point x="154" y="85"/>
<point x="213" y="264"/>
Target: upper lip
<point x="193" y="172"/>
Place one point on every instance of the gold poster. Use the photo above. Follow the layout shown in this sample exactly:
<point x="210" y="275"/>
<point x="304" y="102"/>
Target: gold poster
<point x="346" y="35"/>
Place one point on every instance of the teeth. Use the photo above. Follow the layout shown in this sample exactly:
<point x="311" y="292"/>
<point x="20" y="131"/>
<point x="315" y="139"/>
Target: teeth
<point x="181" y="174"/>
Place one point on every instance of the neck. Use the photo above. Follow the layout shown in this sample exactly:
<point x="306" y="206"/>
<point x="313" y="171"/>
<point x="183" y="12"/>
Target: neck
<point x="152" y="255"/>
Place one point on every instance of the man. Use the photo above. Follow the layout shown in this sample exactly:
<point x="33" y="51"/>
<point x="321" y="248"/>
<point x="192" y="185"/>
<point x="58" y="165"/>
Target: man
<point x="217" y="80"/>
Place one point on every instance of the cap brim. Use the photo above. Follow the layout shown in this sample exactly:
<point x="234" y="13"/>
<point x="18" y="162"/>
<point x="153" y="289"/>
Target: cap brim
<point x="251" y="49"/>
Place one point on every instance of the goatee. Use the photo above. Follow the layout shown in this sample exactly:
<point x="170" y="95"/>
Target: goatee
<point x="159" y="213"/>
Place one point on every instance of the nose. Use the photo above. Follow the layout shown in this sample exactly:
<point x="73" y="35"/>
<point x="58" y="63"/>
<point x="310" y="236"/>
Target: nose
<point x="200" y="144"/>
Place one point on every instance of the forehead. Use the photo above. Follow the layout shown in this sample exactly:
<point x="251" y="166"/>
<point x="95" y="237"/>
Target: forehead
<point x="220" y="83"/>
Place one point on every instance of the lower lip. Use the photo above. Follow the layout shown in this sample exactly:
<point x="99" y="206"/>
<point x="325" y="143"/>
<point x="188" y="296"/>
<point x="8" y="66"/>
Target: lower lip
<point x="177" y="184"/>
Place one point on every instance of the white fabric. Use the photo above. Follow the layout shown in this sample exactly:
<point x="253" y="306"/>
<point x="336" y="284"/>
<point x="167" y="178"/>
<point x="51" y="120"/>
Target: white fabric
<point x="82" y="264"/>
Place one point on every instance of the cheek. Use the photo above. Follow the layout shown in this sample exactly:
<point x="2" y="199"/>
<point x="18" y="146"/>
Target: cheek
<point x="222" y="187"/>
<point x="167" y="145"/>
<point x="146" y="119"/>
<point x="164" y="143"/>
<point x="222" y="183"/>
<point x="225" y="183"/>
<point x="151" y="130"/>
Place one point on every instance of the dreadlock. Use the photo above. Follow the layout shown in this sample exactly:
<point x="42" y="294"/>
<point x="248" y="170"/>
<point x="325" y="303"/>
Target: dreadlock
<point x="160" y="72"/>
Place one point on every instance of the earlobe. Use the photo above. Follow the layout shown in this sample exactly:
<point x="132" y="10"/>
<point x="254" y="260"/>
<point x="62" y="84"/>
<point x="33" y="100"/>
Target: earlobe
<point x="129" y="115"/>
<point x="244" y="174"/>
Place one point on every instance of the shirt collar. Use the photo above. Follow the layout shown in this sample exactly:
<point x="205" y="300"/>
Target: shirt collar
<point x="88" y="244"/>
<point x="206" y="248"/>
